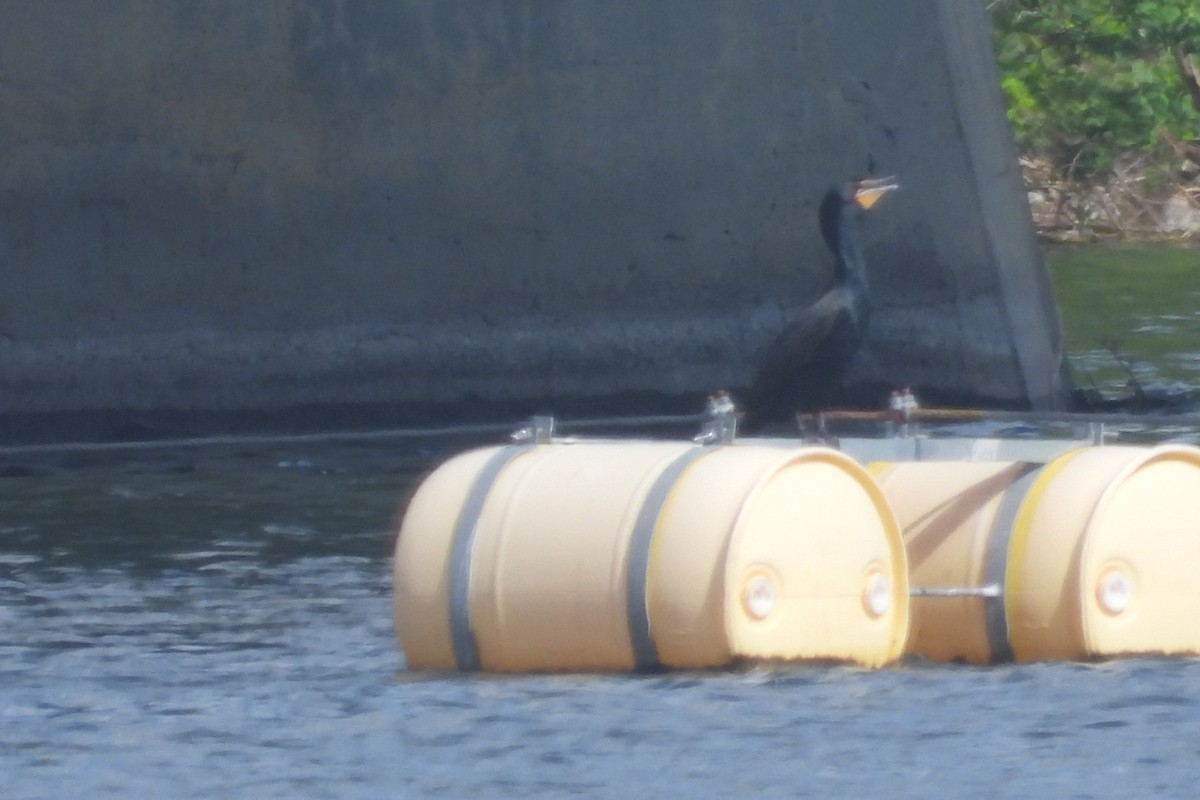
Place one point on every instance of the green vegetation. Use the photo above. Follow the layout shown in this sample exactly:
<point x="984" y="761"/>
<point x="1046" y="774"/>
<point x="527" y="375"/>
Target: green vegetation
<point x="1104" y="99"/>
<point x="1088" y="80"/>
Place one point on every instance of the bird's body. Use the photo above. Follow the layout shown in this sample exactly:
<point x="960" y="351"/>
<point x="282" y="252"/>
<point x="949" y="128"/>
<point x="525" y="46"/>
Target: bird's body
<point x="803" y="367"/>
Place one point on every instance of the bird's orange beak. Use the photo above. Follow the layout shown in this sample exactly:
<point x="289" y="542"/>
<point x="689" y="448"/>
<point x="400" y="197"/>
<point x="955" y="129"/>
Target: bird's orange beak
<point x="868" y="191"/>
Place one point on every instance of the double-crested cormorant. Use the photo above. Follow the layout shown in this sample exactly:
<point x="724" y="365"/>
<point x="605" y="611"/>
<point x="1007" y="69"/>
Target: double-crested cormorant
<point x="802" y="369"/>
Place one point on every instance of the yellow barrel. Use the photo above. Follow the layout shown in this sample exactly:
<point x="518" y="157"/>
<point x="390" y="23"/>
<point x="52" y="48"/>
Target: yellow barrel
<point x="1092" y="555"/>
<point x="1105" y="554"/>
<point x="642" y="555"/>
<point x="957" y="518"/>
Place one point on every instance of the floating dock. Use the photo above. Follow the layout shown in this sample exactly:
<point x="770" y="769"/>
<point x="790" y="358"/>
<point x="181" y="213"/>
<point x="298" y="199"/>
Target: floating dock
<point x="561" y="554"/>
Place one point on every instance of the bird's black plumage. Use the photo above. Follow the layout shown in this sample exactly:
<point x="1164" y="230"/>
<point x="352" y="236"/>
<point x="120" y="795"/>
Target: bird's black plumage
<point x="803" y="367"/>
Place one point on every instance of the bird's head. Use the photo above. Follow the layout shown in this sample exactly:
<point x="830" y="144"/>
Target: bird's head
<point x="860" y="194"/>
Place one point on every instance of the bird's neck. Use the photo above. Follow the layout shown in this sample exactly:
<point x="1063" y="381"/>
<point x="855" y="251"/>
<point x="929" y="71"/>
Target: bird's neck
<point x="851" y="271"/>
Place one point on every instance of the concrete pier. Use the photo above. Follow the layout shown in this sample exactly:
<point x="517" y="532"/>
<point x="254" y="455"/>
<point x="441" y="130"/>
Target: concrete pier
<point x="232" y="206"/>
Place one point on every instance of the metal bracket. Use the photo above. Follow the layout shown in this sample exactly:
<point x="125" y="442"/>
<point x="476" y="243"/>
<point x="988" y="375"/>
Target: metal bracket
<point x="539" y="430"/>
<point x="722" y="424"/>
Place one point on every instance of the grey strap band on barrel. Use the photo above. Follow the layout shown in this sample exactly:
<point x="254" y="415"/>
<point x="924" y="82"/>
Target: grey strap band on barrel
<point x="466" y="649"/>
<point x="638" y="566"/>
<point x="996" y="561"/>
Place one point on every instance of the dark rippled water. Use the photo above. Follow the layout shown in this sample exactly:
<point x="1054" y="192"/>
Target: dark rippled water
<point x="1130" y="313"/>
<point x="216" y="622"/>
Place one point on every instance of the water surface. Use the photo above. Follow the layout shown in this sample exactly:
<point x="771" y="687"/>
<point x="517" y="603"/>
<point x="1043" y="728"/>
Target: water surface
<point x="216" y="622"/>
<point x="1130" y="312"/>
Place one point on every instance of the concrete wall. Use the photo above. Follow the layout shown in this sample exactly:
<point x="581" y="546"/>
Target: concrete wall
<point x="230" y="205"/>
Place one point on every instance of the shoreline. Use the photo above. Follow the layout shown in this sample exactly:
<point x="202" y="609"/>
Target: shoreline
<point x="1141" y="200"/>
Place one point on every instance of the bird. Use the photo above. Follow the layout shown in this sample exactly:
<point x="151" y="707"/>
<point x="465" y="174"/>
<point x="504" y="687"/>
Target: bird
<point x="801" y="370"/>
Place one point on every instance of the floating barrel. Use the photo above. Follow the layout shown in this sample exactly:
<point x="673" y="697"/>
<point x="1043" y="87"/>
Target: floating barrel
<point x="644" y="555"/>
<point x="957" y="519"/>
<point x="1092" y="555"/>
